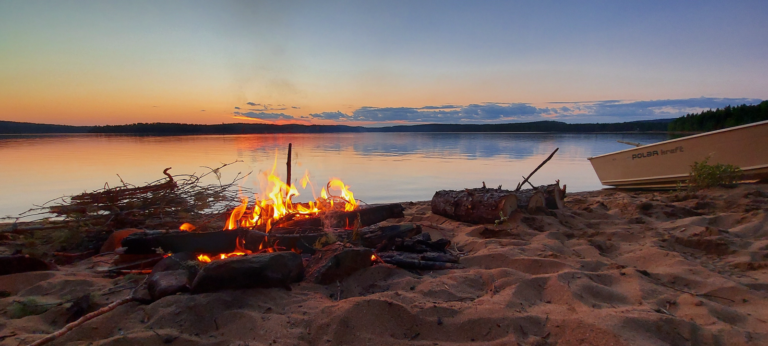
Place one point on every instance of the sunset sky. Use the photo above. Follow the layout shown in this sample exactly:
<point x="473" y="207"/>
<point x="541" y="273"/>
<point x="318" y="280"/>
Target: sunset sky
<point x="377" y="63"/>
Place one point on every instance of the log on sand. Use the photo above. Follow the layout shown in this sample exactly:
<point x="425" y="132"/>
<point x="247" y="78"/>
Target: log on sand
<point x="475" y="205"/>
<point x="554" y="195"/>
<point x="485" y="205"/>
<point x="531" y="199"/>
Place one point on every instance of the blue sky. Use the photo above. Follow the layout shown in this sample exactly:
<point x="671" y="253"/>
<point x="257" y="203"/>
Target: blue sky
<point x="110" y="62"/>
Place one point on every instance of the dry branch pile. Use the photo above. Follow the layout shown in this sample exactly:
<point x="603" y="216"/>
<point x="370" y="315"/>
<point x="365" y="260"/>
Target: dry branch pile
<point x="162" y="204"/>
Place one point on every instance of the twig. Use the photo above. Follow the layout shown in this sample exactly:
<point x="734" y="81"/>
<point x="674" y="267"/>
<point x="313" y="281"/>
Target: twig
<point x="529" y="183"/>
<point x="288" y="164"/>
<point x="537" y="168"/>
<point x="88" y="317"/>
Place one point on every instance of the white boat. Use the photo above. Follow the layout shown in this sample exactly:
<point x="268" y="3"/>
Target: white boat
<point x="664" y="164"/>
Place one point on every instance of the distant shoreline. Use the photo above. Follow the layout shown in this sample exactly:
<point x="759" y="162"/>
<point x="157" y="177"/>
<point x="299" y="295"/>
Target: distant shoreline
<point x="651" y="126"/>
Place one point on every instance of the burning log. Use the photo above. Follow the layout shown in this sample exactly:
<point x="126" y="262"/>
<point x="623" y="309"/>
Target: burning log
<point x="366" y="216"/>
<point x="175" y="241"/>
<point x="475" y="205"/>
<point x="278" y="269"/>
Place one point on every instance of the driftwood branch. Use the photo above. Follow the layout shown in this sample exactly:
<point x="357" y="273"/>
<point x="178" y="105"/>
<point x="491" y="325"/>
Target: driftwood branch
<point x="537" y="168"/>
<point x="131" y="297"/>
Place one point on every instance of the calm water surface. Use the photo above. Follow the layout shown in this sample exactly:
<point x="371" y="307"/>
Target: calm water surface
<point x="378" y="167"/>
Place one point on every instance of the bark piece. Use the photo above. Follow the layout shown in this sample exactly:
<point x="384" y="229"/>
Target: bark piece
<point x="277" y="269"/>
<point x="336" y="262"/>
<point x="22" y="264"/>
<point x="373" y="237"/>
<point x="476" y="206"/>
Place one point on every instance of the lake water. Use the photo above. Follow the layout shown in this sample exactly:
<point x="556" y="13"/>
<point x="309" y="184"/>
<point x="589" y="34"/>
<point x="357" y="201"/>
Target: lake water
<point x="378" y="167"/>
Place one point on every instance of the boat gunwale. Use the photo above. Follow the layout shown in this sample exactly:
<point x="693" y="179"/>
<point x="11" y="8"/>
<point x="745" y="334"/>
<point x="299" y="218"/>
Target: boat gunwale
<point x="764" y="122"/>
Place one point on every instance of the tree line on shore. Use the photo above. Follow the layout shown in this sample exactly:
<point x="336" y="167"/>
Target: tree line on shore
<point x="700" y="122"/>
<point x="8" y="127"/>
<point x="717" y="119"/>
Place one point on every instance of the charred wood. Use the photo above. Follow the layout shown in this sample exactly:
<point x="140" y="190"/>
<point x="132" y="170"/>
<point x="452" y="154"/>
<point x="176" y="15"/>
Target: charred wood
<point x="373" y="237"/>
<point x="416" y="261"/>
<point x="367" y="216"/>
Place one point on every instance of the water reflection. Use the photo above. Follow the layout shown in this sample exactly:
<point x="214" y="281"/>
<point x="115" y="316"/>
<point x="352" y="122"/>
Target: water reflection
<point x="379" y="167"/>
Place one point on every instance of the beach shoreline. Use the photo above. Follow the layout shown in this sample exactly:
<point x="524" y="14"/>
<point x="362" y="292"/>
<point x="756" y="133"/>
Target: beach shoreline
<point x="614" y="267"/>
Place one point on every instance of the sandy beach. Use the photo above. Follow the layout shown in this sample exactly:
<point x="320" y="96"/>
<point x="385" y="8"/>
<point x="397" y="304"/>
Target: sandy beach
<point x="613" y="268"/>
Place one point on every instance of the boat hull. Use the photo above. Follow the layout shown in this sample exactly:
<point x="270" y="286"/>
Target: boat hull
<point x="664" y="164"/>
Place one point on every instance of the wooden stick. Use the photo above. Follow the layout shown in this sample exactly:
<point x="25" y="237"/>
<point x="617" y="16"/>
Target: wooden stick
<point x="537" y="168"/>
<point x="88" y="317"/>
<point x="529" y="183"/>
<point x="288" y="180"/>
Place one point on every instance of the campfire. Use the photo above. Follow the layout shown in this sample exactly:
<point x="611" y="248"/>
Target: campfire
<point x="275" y="207"/>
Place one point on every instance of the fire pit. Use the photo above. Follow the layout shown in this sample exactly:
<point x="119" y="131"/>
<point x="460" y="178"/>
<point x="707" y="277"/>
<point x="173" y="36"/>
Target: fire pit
<point x="267" y="241"/>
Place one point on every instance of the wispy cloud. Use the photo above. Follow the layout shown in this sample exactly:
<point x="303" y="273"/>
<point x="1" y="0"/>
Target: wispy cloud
<point x="263" y="116"/>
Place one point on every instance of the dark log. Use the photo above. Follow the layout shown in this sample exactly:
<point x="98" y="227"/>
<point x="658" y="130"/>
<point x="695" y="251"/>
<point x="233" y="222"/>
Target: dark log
<point x="278" y="269"/>
<point x="531" y="199"/>
<point x="335" y="262"/>
<point x="22" y="264"/>
<point x="554" y="196"/>
<point x="225" y="241"/>
<point x="176" y="241"/>
<point x="372" y="237"/>
<point x="368" y="215"/>
<point x="414" y="261"/>
<point x="474" y="205"/>
<point x="423" y="245"/>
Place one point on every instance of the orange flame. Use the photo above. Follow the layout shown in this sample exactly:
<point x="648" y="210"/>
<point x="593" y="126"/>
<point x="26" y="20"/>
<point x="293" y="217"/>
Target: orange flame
<point x="276" y="205"/>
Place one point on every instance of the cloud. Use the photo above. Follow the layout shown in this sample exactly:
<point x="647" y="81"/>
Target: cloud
<point x="264" y="116"/>
<point x="330" y="116"/>
<point x="488" y="112"/>
<point x="500" y="112"/>
<point x="202" y="110"/>
<point x="617" y="110"/>
<point x="253" y="104"/>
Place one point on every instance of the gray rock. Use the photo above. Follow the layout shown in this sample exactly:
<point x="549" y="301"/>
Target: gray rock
<point x="278" y="269"/>
<point x="166" y="283"/>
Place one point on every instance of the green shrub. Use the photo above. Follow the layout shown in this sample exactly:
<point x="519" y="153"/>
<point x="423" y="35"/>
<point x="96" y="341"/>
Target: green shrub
<point x="704" y="175"/>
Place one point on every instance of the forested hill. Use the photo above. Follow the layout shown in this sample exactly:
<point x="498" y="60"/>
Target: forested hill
<point x="13" y="127"/>
<point x="721" y="118"/>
